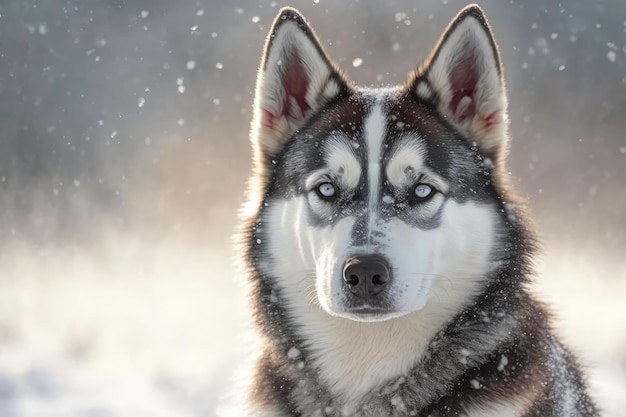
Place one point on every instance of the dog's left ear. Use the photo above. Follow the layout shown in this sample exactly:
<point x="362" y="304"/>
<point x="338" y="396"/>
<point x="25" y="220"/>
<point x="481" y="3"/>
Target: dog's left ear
<point x="463" y="77"/>
<point x="296" y="78"/>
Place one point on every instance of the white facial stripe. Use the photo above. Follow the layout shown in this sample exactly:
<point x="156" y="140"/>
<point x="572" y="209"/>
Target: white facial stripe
<point x="341" y="159"/>
<point x="409" y="155"/>
<point x="374" y="136"/>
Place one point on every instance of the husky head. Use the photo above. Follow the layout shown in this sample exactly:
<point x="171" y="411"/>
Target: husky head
<point x="370" y="204"/>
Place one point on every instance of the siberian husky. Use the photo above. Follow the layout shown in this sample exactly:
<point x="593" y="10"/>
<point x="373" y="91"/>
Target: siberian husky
<point x="387" y="255"/>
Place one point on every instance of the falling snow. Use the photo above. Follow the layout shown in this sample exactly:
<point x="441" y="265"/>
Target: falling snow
<point x="398" y="403"/>
<point x="503" y="363"/>
<point x="293" y="353"/>
<point x="611" y="55"/>
<point x="510" y="208"/>
<point x="400" y="16"/>
<point x="387" y="199"/>
<point x="475" y="384"/>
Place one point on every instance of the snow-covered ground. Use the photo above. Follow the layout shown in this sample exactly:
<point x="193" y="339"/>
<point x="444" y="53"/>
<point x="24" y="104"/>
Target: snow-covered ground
<point x="586" y="290"/>
<point x="133" y="329"/>
<point x="137" y="328"/>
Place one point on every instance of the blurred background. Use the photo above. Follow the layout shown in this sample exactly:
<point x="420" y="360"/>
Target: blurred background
<point x="124" y="155"/>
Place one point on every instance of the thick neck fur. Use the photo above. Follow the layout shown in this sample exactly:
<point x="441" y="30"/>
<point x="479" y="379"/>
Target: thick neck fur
<point x="351" y="363"/>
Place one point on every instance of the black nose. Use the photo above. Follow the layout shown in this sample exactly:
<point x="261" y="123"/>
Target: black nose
<point x="366" y="275"/>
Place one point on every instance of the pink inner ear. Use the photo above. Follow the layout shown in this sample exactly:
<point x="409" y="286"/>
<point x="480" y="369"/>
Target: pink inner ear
<point x="493" y="119"/>
<point x="267" y="118"/>
<point x="296" y="83"/>
<point x="463" y="82"/>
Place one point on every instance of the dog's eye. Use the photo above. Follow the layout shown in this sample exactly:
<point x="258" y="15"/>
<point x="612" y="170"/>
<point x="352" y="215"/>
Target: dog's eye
<point x="423" y="191"/>
<point x="326" y="190"/>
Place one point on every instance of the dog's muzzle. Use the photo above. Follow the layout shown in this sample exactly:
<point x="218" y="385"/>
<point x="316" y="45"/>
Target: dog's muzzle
<point x="366" y="276"/>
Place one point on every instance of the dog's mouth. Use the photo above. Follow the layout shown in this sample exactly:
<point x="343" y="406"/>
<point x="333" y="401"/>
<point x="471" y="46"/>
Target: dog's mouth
<point x="368" y="313"/>
<point x="367" y="310"/>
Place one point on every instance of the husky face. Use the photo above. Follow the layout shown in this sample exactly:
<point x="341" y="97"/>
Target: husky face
<point x="384" y="195"/>
<point x="379" y="202"/>
<point x="384" y="251"/>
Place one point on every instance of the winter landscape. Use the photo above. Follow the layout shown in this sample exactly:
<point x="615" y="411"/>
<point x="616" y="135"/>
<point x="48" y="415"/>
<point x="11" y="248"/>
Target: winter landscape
<point x="124" y="156"/>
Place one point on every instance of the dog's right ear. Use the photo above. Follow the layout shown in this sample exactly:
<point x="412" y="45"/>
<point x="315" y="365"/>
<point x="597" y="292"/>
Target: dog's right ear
<point x="295" y="79"/>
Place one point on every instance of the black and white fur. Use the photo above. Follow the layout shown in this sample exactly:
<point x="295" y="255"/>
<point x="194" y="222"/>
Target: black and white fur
<point x="412" y="177"/>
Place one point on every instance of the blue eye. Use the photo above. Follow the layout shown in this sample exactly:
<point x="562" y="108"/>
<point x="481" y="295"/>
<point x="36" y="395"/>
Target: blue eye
<point x="423" y="191"/>
<point x="326" y="190"/>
